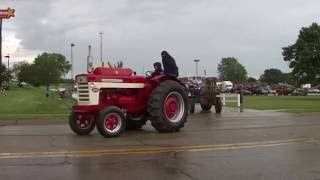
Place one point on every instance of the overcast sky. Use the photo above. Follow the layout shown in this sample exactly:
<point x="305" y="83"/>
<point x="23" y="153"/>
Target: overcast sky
<point x="136" y="31"/>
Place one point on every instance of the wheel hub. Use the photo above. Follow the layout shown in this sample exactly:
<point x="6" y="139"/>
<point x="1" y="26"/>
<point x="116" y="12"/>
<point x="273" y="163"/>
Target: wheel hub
<point x="83" y="121"/>
<point x="174" y="107"/>
<point x="112" y="122"/>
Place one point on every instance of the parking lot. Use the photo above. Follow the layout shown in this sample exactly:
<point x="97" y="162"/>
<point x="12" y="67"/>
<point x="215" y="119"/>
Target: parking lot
<point x="233" y="145"/>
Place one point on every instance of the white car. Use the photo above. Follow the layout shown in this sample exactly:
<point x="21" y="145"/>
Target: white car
<point x="315" y="90"/>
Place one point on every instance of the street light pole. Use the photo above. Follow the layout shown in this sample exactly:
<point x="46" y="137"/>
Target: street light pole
<point x="196" y="61"/>
<point x="0" y="51"/>
<point x="8" y="78"/>
<point x="101" y="33"/>
<point x="72" y="45"/>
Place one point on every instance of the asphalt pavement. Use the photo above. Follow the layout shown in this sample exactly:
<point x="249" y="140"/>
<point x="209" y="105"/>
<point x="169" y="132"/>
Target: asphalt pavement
<point x="231" y="145"/>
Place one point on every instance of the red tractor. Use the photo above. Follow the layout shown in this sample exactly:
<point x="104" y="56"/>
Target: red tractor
<point x="113" y="99"/>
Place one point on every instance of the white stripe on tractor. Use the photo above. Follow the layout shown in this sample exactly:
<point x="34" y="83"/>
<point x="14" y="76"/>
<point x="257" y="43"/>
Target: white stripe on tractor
<point x="118" y="85"/>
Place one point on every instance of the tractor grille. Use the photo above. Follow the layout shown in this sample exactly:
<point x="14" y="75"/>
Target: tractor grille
<point x="83" y="92"/>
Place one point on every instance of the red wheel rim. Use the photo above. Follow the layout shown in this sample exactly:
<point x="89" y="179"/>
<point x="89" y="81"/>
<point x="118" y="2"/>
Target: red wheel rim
<point x="83" y="121"/>
<point x="174" y="107"/>
<point x="112" y="122"/>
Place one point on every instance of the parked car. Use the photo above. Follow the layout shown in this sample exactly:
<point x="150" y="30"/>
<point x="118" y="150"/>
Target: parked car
<point x="245" y="91"/>
<point x="314" y="90"/>
<point x="299" y="92"/>
<point x="260" y="91"/>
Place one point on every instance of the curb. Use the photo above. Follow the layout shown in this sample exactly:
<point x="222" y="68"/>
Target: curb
<point x="32" y="122"/>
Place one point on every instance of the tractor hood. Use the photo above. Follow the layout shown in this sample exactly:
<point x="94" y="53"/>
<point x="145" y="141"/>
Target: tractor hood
<point x="120" y="72"/>
<point x="116" y="75"/>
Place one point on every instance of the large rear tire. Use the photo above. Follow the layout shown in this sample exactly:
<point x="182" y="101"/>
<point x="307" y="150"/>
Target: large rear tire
<point x="81" y="123"/>
<point x="168" y="106"/>
<point x="111" y="122"/>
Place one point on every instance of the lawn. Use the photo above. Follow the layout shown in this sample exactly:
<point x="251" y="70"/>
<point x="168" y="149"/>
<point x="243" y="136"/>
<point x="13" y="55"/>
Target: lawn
<point x="31" y="103"/>
<point x="294" y="104"/>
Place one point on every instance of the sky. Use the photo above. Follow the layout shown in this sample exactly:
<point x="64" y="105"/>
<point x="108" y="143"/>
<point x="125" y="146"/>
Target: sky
<point x="136" y="31"/>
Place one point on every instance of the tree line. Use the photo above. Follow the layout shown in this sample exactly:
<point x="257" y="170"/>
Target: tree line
<point x="303" y="57"/>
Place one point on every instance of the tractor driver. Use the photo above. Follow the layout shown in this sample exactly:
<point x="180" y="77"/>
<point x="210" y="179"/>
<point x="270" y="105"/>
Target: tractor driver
<point x="169" y="64"/>
<point x="157" y="69"/>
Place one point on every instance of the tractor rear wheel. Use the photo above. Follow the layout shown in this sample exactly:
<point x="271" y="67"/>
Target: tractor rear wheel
<point x="168" y="106"/>
<point x="135" y="122"/>
<point x="218" y="106"/>
<point x="81" y="123"/>
<point x="111" y="122"/>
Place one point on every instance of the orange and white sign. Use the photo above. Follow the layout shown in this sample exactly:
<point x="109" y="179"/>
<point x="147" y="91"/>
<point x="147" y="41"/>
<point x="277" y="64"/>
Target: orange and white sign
<point x="6" y="14"/>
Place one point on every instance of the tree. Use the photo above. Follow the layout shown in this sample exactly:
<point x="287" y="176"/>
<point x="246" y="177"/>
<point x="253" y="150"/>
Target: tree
<point x="5" y="74"/>
<point x="47" y="68"/>
<point x="304" y="55"/>
<point x="252" y="80"/>
<point x="272" y="76"/>
<point x="19" y="71"/>
<point x="289" y="78"/>
<point x="230" y="69"/>
<point x="3" y="71"/>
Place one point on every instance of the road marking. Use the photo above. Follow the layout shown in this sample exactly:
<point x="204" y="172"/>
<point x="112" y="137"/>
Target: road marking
<point x="155" y="150"/>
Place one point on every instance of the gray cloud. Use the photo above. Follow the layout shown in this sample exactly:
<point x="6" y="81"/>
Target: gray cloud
<point x="135" y="31"/>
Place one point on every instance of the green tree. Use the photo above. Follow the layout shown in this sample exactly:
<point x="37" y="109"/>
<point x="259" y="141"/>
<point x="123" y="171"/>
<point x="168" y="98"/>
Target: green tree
<point x="252" y="80"/>
<point x="19" y="71"/>
<point x="6" y="75"/>
<point x="304" y="55"/>
<point x="289" y="78"/>
<point x="47" y="68"/>
<point x="272" y="76"/>
<point x="3" y="71"/>
<point x="230" y="69"/>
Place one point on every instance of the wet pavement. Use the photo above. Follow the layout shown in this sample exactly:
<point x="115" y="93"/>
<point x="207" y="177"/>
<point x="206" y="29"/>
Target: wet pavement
<point x="233" y="145"/>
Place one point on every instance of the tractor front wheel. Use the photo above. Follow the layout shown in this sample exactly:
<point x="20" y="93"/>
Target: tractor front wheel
<point x="81" y="123"/>
<point x="111" y="122"/>
<point x="168" y="106"/>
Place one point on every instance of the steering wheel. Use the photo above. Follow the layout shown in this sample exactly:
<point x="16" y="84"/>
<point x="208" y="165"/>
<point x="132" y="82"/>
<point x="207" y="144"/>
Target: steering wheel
<point x="148" y="73"/>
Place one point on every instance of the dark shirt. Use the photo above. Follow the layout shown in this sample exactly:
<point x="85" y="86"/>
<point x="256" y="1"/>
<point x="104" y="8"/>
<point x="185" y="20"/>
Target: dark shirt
<point x="169" y="64"/>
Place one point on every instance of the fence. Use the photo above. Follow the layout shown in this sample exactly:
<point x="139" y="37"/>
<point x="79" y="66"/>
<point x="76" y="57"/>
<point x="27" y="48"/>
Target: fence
<point x="227" y="97"/>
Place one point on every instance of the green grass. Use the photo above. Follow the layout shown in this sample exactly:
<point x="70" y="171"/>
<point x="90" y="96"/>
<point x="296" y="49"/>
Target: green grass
<point x="31" y="103"/>
<point x="294" y="104"/>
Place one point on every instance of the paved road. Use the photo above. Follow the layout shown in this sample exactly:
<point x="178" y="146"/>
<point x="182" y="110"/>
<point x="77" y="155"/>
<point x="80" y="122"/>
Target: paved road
<point x="249" y="145"/>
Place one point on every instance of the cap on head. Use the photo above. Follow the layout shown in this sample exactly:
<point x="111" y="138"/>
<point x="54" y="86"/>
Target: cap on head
<point x="157" y="64"/>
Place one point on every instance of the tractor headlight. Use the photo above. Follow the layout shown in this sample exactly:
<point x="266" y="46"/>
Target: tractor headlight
<point x="94" y="88"/>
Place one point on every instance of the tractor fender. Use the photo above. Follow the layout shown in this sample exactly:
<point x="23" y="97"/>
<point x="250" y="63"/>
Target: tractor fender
<point x="158" y="79"/>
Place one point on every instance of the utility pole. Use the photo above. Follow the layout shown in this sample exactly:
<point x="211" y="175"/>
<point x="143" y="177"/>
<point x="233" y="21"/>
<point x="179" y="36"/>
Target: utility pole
<point x="101" y="33"/>
<point x="0" y="52"/>
<point x="72" y="45"/>
<point x="196" y="61"/>
<point x="4" y="14"/>
<point x="8" y="78"/>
